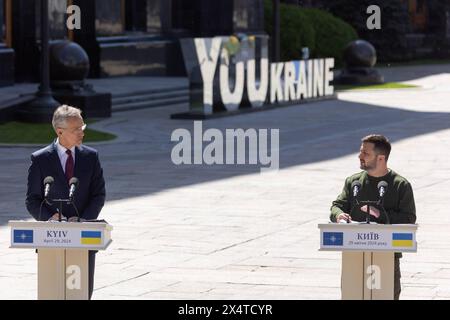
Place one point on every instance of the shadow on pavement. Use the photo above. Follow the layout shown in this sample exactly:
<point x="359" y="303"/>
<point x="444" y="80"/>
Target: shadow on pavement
<point x="308" y="133"/>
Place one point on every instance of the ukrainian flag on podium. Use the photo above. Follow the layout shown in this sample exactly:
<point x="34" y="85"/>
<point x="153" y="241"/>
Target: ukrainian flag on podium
<point x="91" y="237"/>
<point x="402" y="239"/>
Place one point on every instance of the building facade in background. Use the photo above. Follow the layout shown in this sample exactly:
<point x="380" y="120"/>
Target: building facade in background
<point x="411" y="29"/>
<point x="121" y="37"/>
<point x="140" y="37"/>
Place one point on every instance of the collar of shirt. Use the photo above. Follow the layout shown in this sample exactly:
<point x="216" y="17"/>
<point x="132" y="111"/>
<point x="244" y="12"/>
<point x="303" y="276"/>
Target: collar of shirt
<point x="63" y="155"/>
<point x="386" y="176"/>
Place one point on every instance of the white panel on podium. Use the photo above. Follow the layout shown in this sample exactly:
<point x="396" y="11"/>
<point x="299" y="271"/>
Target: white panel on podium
<point x="368" y="237"/>
<point x="67" y="235"/>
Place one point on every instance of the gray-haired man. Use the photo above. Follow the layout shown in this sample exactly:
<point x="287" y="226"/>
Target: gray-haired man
<point x="65" y="158"/>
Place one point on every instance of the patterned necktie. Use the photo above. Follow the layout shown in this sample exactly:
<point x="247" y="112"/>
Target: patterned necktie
<point x="69" y="165"/>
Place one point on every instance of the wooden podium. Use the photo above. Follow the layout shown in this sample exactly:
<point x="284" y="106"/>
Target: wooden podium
<point x="62" y="254"/>
<point x="368" y="256"/>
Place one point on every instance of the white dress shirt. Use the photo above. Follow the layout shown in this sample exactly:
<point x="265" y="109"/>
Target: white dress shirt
<point x="63" y="155"/>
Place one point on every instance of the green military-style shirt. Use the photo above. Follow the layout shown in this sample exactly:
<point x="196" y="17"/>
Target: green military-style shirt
<point x="398" y="199"/>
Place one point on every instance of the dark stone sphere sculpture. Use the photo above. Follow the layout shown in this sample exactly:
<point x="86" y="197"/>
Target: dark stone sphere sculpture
<point x="360" y="58"/>
<point x="68" y="61"/>
<point x="360" y="53"/>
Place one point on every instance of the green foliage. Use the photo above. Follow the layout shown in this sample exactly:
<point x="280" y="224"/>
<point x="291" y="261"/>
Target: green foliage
<point x="332" y="34"/>
<point x="324" y="34"/>
<point x="296" y="30"/>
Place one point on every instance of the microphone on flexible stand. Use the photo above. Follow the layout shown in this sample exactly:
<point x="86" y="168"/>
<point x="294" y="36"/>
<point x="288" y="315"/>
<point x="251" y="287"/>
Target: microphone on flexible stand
<point x="48" y="181"/>
<point x="355" y="188"/>
<point x="73" y="184"/>
<point x="382" y="189"/>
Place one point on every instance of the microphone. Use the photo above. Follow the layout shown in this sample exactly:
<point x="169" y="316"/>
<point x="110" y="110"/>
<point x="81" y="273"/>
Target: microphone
<point x="48" y="181"/>
<point x="356" y="186"/>
<point x="47" y="185"/>
<point x="73" y="184"/>
<point x="382" y="188"/>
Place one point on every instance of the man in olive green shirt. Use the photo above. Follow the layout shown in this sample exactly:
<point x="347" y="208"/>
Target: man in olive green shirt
<point x="398" y="200"/>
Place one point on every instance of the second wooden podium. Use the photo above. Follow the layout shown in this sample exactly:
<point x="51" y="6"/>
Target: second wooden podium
<point x="368" y="256"/>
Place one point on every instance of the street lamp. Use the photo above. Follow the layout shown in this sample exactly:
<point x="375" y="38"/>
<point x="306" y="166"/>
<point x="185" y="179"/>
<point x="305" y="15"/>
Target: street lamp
<point x="276" y="31"/>
<point x="41" y="108"/>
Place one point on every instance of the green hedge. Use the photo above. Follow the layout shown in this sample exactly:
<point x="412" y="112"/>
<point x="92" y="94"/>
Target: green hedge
<point x="332" y="34"/>
<point x="296" y="30"/>
<point x="324" y="34"/>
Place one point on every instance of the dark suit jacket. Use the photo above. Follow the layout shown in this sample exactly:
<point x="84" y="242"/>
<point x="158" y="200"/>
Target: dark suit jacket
<point x="89" y="196"/>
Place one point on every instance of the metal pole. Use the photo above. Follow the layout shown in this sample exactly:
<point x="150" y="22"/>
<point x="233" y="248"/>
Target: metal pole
<point x="44" y="88"/>
<point x="42" y="107"/>
<point x="276" y="31"/>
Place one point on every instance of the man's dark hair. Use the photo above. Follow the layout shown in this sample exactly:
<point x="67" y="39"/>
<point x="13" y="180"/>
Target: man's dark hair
<point x="381" y="144"/>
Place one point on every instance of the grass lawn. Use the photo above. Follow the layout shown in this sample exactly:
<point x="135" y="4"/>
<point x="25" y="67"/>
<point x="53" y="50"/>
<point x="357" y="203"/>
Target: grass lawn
<point x="388" y="85"/>
<point x="19" y="132"/>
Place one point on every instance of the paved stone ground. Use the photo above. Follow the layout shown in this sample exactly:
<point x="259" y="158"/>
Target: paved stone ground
<point x="230" y="232"/>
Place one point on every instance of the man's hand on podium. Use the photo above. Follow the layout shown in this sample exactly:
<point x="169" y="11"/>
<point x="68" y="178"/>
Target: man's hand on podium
<point x="55" y="217"/>
<point x="343" y="217"/>
<point x="373" y="211"/>
<point x="75" y="219"/>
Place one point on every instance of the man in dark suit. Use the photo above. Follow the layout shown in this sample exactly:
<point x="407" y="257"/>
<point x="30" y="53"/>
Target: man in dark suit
<point x="65" y="158"/>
